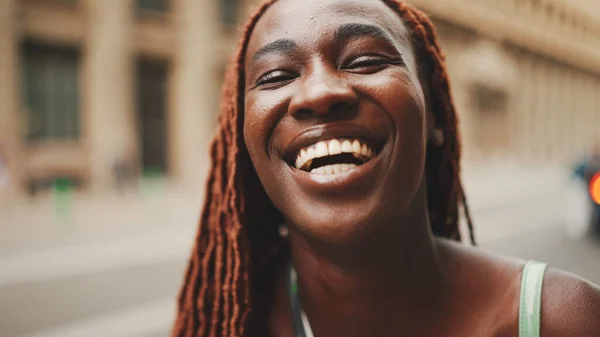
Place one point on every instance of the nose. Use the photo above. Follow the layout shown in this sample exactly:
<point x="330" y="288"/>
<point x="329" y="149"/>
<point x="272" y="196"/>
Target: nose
<point x="324" y="94"/>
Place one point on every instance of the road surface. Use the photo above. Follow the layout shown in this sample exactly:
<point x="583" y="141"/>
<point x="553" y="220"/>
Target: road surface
<point x="550" y="244"/>
<point x="136" y="298"/>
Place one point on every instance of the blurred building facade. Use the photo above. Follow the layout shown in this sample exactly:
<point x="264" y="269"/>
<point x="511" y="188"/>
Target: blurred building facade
<point x="525" y="76"/>
<point x="92" y="88"/>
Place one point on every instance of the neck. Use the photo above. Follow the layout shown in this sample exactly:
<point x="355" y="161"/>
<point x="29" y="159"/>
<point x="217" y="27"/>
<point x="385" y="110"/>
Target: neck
<point x="380" y="280"/>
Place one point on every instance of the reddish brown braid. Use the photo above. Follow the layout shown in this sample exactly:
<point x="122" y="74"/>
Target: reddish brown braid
<point x="238" y="250"/>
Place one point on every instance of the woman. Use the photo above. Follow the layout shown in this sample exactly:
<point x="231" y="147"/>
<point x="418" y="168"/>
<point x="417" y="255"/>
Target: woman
<point x="332" y="204"/>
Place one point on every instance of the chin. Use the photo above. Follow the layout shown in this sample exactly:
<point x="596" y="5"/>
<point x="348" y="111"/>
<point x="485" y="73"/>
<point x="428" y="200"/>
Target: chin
<point x="334" y="224"/>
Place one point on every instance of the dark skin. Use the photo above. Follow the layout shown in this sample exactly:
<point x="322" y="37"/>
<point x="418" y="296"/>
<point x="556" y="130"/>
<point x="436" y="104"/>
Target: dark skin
<point x="367" y="262"/>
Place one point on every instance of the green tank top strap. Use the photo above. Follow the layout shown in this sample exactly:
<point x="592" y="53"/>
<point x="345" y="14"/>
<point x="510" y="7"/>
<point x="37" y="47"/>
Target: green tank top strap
<point x="530" y="304"/>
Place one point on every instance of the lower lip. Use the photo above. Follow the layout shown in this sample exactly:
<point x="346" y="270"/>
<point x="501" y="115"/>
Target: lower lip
<point x="357" y="175"/>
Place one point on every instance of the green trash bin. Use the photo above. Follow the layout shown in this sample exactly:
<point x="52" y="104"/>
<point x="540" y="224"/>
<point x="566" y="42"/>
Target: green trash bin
<point x="62" y="191"/>
<point x="153" y="181"/>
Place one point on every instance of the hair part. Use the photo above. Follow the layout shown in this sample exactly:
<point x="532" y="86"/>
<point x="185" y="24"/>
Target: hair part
<point x="238" y="251"/>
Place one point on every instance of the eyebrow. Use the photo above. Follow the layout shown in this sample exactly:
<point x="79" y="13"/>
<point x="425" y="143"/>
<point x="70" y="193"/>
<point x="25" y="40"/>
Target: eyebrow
<point x="279" y="46"/>
<point x="344" y="32"/>
<point x="356" y="30"/>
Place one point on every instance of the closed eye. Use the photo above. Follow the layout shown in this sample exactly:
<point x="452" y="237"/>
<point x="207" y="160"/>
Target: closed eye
<point x="275" y="77"/>
<point x="367" y="63"/>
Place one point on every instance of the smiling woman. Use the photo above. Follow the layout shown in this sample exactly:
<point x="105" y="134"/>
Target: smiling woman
<point x="337" y="125"/>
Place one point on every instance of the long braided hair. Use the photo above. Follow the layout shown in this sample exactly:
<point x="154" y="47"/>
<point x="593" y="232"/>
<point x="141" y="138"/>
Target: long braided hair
<point x="238" y="251"/>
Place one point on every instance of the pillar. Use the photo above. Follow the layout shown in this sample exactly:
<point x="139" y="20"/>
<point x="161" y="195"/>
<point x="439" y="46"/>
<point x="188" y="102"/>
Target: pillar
<point x="109" y="114"/>
<point x="10" y="186"/>
<point x="194" y="90"/>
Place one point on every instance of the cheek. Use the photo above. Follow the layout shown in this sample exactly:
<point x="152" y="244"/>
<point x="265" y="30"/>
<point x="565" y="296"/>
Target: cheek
<point x="409" y="115"/>
<point x="253" y="119"/>
<point x="399" y="94"/>
<point x="261" y="116"/>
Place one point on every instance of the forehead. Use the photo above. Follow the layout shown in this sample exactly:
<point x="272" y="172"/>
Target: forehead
<point x="310" y="20"/>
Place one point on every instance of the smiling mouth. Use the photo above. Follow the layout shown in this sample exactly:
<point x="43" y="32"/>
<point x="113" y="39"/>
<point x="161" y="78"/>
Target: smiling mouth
<point x="335" y="156"/>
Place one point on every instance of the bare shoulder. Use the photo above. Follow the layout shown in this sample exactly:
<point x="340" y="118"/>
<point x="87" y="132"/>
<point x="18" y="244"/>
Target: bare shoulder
<point x="570" y="306"/>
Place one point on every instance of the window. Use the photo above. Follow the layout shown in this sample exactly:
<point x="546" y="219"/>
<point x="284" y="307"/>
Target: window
<point x="488" y="100"/>
<point x="491" y="120"/>
<point x="228" y="9"/>
<point x="153" y="5"/>
<point x="61" y="3"/>
<point x="151" y="78"/>
<point x="50" y="91"/>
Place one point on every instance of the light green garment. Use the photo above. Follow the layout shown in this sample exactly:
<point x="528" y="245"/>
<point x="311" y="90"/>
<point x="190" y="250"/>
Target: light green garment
<point x="530" y="305"/>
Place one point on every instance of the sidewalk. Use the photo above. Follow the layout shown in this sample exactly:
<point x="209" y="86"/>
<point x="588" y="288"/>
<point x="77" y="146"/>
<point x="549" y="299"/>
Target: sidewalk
<point x="518" y="192"/>
<point x="496" y="186"/>
<point x="37" y="224"/>
<point x="505" y="201"/>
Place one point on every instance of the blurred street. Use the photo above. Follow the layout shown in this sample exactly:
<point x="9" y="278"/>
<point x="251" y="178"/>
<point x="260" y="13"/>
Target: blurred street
<point x="115" y="270"/>
<point x="107" y="109"/>
<point x="549" y="244"/>
<point x="118" y="269"/>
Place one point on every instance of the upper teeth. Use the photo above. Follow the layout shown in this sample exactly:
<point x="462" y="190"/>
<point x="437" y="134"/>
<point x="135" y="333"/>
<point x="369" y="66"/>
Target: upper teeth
<point x="333" y="147"/>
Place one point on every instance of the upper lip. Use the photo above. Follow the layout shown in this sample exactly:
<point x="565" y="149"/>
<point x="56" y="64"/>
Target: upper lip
<point x="330" y="131"/>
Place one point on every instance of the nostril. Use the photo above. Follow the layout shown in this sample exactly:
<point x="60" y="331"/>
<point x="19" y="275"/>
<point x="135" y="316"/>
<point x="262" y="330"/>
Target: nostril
<point x="341" y="107"/>
<point x="303" y="113"/>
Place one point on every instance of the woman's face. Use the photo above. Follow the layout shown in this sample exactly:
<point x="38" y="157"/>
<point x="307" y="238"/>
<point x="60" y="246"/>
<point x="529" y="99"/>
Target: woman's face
<point x="334" y="116"/>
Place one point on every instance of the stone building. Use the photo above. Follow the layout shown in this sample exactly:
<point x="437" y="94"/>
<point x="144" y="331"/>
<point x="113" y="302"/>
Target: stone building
<point x="89" y="84"/>
<point x="525" y="76"/>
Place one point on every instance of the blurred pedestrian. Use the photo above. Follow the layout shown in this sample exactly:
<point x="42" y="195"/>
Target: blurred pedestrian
<point x="126" y="170"/>
<point x="582" y="211"/>
<point x="337" y="123"/>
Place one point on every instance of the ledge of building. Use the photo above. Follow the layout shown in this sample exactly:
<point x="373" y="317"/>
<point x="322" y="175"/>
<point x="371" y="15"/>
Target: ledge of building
<point x="542" y="36"/>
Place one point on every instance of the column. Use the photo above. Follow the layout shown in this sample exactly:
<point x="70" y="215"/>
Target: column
<point x="455" y="61"/>
<point x="108" y="95"/>
<point x="9" y="104"/>
<point x="542" y="113"/>
<point x="553" y="134"/>
<point x="570" y="130"/>
<point x="578" y="115"/>
<point x="522" y="108"/>
<point x="194" y="90"/>
<point x="590" y="112"/>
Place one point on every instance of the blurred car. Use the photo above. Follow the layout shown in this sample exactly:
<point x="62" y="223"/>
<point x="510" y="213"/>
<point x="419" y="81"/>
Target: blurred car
<point x="583" y="198"/>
